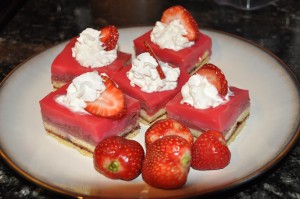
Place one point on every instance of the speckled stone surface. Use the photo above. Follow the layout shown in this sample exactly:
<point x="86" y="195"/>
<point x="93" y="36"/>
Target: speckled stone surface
<point x="39" y="25"/>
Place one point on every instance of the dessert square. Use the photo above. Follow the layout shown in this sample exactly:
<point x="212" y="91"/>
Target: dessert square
<point x="91" y="50"/>
<point x="188" y="59"/>
<point x="225" y="118"/>
<point x="152" y="102"/>
<point x="208" y="102"/>
<point x="83" y="130"/>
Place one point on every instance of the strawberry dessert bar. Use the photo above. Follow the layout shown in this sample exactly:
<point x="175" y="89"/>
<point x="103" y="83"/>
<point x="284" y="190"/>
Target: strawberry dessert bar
<point x="88" y="110"/>
<point x="152" y="82"/>
<point x="92" y="50"/>
<point x="206" y="102"/>
<point x="177" y="40"/>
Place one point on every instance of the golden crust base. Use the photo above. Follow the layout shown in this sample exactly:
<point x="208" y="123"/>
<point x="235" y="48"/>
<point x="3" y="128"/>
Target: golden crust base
<point x="203" y="60"/>
<point x="233" y="132"/>
<point x="82" y="146"/>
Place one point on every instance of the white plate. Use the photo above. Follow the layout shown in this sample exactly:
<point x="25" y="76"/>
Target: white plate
<point x="271" y="130"/>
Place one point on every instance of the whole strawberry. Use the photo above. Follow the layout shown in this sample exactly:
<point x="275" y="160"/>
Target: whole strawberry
<point x="167" y="162"/>
<point x="167" y="127"/>
<point x="210" y="151"/>
<point x="119" y="158"/>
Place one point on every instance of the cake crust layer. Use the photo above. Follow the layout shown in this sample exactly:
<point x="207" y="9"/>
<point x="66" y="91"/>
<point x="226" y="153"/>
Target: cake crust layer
<point x="82" y="146"/>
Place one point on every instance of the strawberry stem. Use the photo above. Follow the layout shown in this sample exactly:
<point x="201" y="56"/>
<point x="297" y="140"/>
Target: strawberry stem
<point x="158" y="68"/>
<point x="114" y="166"/>
<point x="186" y="160"/>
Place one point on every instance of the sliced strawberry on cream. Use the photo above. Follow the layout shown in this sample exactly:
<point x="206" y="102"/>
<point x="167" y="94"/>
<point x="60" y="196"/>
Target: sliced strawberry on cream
<point x="109" y="36"/>
<point x="215" y="76"/>
<point x="189" y="23"/>
<point x="110" y="104"/>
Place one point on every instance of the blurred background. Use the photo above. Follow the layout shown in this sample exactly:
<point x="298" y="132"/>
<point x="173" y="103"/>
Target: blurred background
<point x="275" y="26"/>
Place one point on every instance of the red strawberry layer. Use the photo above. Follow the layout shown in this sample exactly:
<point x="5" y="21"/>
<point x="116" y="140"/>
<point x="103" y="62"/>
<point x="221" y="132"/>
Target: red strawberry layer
<point x="150" y="102"/>
<point x="220" y="118"/>
<point x="185" y="58"/>
<point x="64" y="67"/>
<point x="87" y="127"/>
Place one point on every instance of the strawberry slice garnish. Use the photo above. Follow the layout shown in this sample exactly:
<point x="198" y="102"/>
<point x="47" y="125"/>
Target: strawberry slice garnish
<point x="111" y="103"/>
<point x="107" y="81"/>
<point x="158" y="68"/>
<point x="214" y="76"/>
<point x="109" y="37"/>
<point x="189" y="23"/>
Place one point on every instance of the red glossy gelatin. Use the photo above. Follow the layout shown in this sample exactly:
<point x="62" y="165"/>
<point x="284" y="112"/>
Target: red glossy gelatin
<point x="185" y="59"/>
<point x="86" y="127"/>
<point x="220" y="118"/>
<point x="150" y="102"/>
<point x="65" y="67"/>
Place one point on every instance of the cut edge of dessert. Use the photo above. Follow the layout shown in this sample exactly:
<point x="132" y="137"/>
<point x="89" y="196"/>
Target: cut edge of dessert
<point x="83" y="147"/>
<point x="202" y="60"/>
<point x="235" y="129"/>
<point x="150" y="119"/>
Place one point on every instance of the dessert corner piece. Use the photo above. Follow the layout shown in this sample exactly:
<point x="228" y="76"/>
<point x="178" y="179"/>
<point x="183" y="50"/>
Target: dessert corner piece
<point x="202" y="114"/>
<point x="77" y="57"/>
<point x="84" y="130"/>
<point x="192" y="53"/>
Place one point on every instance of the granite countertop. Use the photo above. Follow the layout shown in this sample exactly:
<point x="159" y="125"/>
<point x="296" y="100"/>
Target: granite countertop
<point x="38" y="25"/>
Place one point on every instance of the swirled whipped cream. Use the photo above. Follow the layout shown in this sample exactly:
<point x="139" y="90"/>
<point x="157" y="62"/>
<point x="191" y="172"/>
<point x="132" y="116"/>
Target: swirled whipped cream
<point x="143" y="73"/>
<point x="170" y="35"/>
<point x="88" y="50"/>
<point x="201" y="94"/>
<point x="84" y="88"/>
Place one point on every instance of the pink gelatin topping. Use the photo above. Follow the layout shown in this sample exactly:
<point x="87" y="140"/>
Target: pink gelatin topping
<point x="87" y="127"/>
<point x="220" y="118"/>
<point x="186" y="58"/>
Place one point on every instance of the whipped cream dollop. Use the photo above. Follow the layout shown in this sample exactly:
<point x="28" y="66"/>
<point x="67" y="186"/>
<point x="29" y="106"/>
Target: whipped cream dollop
<point x="84" y="88"/>
<point x="201" y="94"/>
<point x="170" y="35"/>
<point x="88" y="50"/>
<point x="143" y="73"/>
